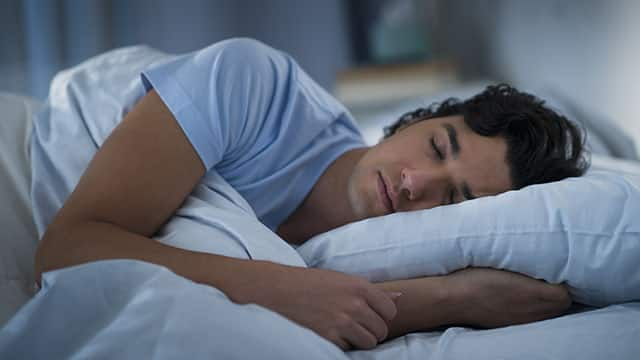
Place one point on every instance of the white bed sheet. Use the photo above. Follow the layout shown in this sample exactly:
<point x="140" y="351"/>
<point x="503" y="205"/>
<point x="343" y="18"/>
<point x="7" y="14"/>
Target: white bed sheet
<point x="126" y="309"/>
<point x="147" y="311"/>
<point x="18" y="238"/>
<point x="610" y="333"/>
<point x="131" y="309"/>
<point x="144" y="311"/>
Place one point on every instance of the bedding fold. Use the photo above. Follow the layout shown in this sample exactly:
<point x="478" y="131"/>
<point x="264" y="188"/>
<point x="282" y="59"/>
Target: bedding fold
<point x="119" y="309"/>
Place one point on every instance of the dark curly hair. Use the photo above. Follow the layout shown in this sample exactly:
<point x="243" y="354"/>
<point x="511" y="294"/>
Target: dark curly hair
<point x="542" y="145"/>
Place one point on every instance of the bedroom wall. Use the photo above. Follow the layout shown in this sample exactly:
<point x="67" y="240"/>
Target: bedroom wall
<point x="586" y="49"/>
<point x="40" y="37"/>
<point x="12" y="56"/>
<point x="314" y="32"/>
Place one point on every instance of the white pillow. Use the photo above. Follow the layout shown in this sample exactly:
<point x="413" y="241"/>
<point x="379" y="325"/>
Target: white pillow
<point x="19" y="237"/>
<point x="583" y="231"/>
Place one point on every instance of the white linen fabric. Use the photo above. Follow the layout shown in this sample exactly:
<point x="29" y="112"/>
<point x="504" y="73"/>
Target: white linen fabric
<point x="132" y="309"/>
<point x="84" y="105"/>
<point x="19" y="237"/>
<point x="107" y="309"/>
<point x="582" y="231"/>
<point x="609" y="333"/>
<point x="126" y="309"/>
<point x="216" y="219"/>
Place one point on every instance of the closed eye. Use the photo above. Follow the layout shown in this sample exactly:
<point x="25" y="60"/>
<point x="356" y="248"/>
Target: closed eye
<point x="436" y="149"/>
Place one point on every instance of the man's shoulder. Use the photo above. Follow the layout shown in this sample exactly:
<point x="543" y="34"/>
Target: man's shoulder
<point x="246" y="51"/>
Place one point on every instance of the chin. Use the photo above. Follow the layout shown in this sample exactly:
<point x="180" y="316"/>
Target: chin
<point x="360" y="200"/>
<point x="363" y="193"/>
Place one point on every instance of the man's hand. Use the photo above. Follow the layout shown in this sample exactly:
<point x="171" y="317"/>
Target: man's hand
<point x="347" y="310"/>
<point x="492" y="298"/>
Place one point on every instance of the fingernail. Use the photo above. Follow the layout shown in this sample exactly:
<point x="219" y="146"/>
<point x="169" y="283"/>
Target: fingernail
<point x="394" y="295"/>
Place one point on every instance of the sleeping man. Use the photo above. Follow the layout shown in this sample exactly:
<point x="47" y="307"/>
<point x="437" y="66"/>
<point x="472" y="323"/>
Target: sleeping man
<point x="248" y="112"/>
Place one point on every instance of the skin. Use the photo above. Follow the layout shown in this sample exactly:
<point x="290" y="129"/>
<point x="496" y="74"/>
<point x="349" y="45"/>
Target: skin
<point x="416" y="168"/>
<point x="421" y="171"/>
<point x="146" y="168"/>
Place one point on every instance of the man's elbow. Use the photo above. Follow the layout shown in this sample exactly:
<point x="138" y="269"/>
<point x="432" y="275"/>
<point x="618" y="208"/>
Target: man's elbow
<point x="40" y="259"/>
<point x="559" y="299"/>
<point x="47" y="255"/>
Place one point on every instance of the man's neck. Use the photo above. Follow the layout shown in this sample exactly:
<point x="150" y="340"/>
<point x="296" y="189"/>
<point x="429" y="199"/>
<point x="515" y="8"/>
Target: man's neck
<point x="327" y="206"/>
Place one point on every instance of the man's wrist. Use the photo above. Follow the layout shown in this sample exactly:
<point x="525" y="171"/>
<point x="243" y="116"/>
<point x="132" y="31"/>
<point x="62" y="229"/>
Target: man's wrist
<point x="426" y="303"/>
<point x="234" y="277"/>
<point x="447" y="301"/>
<point x="454" y="300"/>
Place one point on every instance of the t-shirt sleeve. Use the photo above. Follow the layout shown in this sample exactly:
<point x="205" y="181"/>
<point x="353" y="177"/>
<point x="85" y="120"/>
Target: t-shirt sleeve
<point x="257" y="118"/>
<point x="221" y="94"/>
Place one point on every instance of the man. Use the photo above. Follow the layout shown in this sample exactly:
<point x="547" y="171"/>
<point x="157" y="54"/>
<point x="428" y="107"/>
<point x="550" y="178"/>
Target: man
<point x="248" y="112"/>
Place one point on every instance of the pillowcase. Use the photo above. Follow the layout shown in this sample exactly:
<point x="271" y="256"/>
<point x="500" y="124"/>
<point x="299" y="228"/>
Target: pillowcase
<point x="583" y="231"/>
<point x="19" y="237"/>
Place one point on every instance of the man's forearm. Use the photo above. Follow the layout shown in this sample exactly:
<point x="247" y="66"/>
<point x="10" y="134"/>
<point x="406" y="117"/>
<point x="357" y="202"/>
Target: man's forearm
<point x="425" y="304"/>
<point x="477" y="297"/>
<point x="93" y="241"/>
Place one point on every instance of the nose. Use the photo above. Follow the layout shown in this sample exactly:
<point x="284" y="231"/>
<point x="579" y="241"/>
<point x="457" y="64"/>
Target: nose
<point x="420" y="184"/>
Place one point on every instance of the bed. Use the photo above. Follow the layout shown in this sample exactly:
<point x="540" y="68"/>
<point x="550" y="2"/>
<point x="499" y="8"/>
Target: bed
<point x="131" y="309"/>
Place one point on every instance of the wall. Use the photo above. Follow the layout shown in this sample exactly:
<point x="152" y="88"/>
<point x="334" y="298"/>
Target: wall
<point x="40" y="37"/>
<point x="12" y="57"/>
<point x="586" y="49"/>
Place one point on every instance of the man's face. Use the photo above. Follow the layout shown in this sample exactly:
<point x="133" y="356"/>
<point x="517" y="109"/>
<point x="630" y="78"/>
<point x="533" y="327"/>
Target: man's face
<point x="430" y="163"/>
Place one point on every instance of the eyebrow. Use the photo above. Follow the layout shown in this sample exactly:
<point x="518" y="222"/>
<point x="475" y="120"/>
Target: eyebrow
<point x="455" y="151"/>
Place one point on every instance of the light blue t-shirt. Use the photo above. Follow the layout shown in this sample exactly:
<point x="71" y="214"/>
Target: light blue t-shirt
<point x="251" y="113"/>
<point x="258" y="119"/>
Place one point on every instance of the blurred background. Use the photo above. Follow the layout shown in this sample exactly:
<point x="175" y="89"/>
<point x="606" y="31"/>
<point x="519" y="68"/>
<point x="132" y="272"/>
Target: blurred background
<point x="370" y="53"/>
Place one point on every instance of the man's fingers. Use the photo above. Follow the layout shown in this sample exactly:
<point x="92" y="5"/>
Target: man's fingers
<point x="373" y="322"/>
<point x="341" y="343"/>
<point x="381" y="303"/>
<point x="360" y="337"/>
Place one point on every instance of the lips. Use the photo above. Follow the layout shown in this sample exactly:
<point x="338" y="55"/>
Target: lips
<point x="384" y="194"/>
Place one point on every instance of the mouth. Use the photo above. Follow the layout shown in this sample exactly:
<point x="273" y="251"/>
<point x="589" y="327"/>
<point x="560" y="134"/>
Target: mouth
<point x="383" y="191"/>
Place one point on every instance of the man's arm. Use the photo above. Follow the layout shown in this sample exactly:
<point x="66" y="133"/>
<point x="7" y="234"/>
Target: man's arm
<point x="133" y="185"/>
<point x="478" y="297"/>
